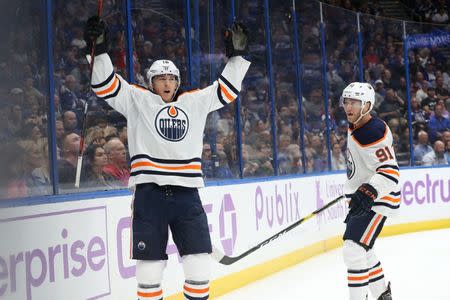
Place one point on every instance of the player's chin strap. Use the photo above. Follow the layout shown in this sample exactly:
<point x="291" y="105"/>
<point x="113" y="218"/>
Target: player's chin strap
<point x="175" y="92"/>
<point x="362" y="115"/>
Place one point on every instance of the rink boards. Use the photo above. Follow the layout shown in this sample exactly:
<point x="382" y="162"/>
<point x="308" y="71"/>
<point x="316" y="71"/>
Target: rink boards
<point x="80" y="249"/>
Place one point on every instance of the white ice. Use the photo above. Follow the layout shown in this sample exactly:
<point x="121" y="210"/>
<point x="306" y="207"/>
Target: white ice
<point x="417" y="264"/>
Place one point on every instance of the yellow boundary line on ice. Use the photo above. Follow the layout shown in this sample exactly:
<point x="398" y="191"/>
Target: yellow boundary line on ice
<point x="236" y="280"/>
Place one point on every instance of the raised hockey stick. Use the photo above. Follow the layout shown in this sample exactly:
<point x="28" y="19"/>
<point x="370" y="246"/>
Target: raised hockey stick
<point x="228" y="260"/>
<point x="86" y="106"/>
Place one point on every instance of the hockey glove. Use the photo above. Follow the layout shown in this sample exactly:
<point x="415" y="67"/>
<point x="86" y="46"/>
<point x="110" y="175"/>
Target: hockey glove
<point x="362" y="200"/>
<point x="96" y="30"/>
<point x="236" y="39"/>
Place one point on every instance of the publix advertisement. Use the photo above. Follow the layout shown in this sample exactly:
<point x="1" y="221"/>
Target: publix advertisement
<point x="80" y="249"/>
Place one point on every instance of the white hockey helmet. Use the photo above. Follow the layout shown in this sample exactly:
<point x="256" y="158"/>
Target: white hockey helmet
<point x="162" y="67"/>
<point x="362" y="91"/>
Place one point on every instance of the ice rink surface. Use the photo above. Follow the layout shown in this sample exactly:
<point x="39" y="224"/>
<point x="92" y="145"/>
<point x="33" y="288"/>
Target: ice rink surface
<point x="417" y="264"/>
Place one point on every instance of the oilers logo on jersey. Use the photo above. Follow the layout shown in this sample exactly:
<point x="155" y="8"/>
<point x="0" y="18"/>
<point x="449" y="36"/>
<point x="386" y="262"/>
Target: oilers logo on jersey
<point x="350" y="165"/>
<point x="172" y="123"/>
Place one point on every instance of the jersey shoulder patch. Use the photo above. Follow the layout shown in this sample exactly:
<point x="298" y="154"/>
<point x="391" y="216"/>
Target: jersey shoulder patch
<point x="371" y="133"/>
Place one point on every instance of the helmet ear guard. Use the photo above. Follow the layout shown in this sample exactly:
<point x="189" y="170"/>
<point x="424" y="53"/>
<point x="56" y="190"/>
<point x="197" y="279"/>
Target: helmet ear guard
<point x="162" y="67"/>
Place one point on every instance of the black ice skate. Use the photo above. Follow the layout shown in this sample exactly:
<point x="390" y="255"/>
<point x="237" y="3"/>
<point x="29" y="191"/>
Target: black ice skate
<point x="386" y="294"/>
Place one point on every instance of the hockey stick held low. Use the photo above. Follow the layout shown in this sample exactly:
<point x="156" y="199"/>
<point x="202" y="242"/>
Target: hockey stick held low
<point x="228" y="260"/>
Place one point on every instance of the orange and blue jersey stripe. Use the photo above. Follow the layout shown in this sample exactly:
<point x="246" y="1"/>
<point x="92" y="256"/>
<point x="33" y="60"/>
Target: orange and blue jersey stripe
<point x="226" y="92"/>
<point x="108" y="88"/>
<point x="391" y="172"/>
<point x="196" y="290"/>
<point x="358" y="278"/>
<point x="376" y="273"/>
<point x="145" y="164"/>
<point x="392" y="200"/>
<point x="373" y="229"/>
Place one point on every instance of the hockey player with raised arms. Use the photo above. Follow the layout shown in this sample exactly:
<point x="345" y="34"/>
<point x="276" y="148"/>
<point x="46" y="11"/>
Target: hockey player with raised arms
<point x="165" y="136"/>
<point x="373" y="189"/>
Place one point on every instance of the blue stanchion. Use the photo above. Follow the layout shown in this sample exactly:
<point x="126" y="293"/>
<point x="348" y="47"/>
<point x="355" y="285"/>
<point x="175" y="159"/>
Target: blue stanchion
<point x="408" y="95"/>
<point x="298" y="86"/>
<point x="129" y="40"/>
<point x="237" y="102"/>
<point x="360" y="50"/>
<point x="188" y="41"/>
<point x="52" y="150"/>
<point x="271" y="86"/>
<point x="325" y="87"/>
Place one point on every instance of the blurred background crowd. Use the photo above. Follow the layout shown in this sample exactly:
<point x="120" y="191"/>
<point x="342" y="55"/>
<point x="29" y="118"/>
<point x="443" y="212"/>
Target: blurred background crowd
<point x="274" y="134"/>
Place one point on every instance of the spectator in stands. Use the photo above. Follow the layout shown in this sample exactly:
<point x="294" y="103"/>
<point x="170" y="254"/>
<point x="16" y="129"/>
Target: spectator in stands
<point x="447" y="152"/>
<point x="438" y="124"/>
<point x="441" y="16"/>
<point x="33" y="133"/>
<point x="441" y="92"/>
<point x="36" y="174"/>
<point x="264" y="159"/>
<point x="59" y="134"/>
<point x="93" y="163"/>
<point x="318" y="152"/>
<point x="435" y="157"/>
<point x="371" y="59"/>
<point x="421" y="91"/>
<point x="95" y="135"/>
<point x="387" y="79"/>
<point x="420" y="79"/>
<point x="98" y="119"/>
<point x="250" y="166"/>
<point x="122" y="132"/>
<point x="70" y="121"/>
<point x="207" y="163"/>
<point x="379" y="93"/>
<point x="401" y="90"/>
<point x="392" y="106"/>
<point x="338" y="161"/>
<point x="424" y="9"/>
<point x="15" y="119"/>
<point x="16" y="96"/>
<point x="429" y="73"/>
<point x="445" y="112"/>
<point x="294" y="158"/>
<point x="12" y="175"/>
<point x="68" y="162"/>
<point x="117" y="166"/>
<point x="446" y="136"/>
<point x="314" y="108"/>
<point x="69" y="97"/>
<point x="336" y="83"/>
<point x="147" y="57"/>
<point x="430" y="102"/>
<point x="223" y="169"/>
<point x="110" y="132"/>
<point x="445" y="78"/>
<point x="31" y="92"/>
<point x="283" y="157"/>
<point x="422" y="147"/>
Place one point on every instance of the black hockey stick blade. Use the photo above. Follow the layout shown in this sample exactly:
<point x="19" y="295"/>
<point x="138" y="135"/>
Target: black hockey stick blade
<point x="228" y="260"/>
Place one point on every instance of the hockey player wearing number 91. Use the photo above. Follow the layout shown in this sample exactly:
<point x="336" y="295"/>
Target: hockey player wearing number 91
<point x="165" y="128"/>
<point x="372" y="186"/>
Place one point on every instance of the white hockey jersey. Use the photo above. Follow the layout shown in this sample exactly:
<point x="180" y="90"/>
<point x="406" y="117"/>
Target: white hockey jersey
<point x="166" y="139"/>
<point x="371" y="159"/>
